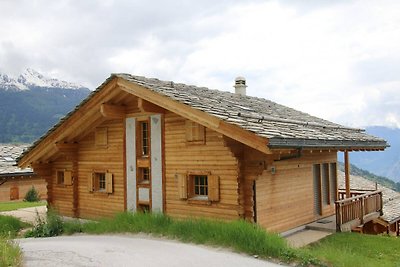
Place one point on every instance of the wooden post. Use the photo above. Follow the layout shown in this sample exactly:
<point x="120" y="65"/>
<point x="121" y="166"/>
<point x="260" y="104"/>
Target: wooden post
<point x="347" y="172"/>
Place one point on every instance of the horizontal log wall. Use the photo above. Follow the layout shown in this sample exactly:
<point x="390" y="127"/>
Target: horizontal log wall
<point x="212" y="156"/>
<point x="286" y="199"/>
<point x="61" y="195"/>
<point x="24" y="185"/>
<point x="109" y="158"/>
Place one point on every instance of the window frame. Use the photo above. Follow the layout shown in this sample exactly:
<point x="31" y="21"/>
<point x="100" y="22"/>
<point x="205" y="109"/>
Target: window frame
<point x="60" y="177"/>
<point x="144" y="139"/>
<point x="198" y="186"/>
<point x="186" y="189"/>
<point x="98" y="176"/>
<point x="96" y="185"/>
<point x="142" y="175"/>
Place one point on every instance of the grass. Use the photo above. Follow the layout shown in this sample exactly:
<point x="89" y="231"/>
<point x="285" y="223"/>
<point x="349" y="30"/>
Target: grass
<point x="10" y="254"/>
<point x="237" y="235"/>
<point x="10" y="226"/>
<point x="350" y="249"/>
<point x="7" y="206"/>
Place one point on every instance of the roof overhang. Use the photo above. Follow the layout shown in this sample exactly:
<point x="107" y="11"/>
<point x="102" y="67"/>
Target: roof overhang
<point x="14" y="174"/>
<point x="293" y="143"/>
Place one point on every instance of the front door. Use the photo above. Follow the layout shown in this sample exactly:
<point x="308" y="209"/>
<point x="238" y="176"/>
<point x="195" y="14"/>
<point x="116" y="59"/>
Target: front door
<point x="144" y="163"/>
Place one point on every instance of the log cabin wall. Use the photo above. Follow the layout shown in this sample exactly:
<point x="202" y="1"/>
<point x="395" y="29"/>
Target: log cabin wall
<point x="104" y="158"/>
<point x="286" y="198"/>
<point x="22" y="185"/>
<point x="61" y="197"/>
<point x="212" y="156"/>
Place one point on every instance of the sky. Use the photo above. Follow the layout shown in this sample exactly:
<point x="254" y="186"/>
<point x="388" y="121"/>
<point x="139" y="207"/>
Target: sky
<point x="338" y="60"/>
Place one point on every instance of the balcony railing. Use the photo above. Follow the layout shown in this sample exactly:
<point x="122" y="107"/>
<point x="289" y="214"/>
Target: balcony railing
<point x="362" y="207"/>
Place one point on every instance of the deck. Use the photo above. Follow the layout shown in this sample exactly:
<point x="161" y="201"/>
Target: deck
<point x="362" y="207"/>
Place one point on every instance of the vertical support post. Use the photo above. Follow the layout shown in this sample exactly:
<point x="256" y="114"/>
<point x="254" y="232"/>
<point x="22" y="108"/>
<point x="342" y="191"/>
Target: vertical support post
<point x="347" y="172"/>
<point x="75" y="185"/>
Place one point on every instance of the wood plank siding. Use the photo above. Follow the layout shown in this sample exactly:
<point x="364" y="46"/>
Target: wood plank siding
<point x="286" y="199"/>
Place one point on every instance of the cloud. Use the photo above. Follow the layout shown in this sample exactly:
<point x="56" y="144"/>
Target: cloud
<point x="334" y="59"/>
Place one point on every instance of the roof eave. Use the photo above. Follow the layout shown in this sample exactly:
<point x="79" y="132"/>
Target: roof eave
<point x="293" y="143"/>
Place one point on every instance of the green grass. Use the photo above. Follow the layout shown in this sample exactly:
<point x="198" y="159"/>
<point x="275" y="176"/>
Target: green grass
<point x="10" y="226"/>
<point x="350" y="249"/>
<point x="10" y="253"/>
<point x="237" y="235"/>
<point x="7" y="206"/>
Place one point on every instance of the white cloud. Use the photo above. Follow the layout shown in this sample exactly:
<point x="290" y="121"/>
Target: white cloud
<point x="339" y="60"/>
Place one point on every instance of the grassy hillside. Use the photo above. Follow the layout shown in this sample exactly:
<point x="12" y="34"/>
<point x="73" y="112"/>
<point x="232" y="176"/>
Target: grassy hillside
<point x="26" y="115"/>
<point x="354" y="170"/>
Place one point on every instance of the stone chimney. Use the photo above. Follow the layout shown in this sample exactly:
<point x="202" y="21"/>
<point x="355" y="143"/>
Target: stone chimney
<point x="240" y="86"/>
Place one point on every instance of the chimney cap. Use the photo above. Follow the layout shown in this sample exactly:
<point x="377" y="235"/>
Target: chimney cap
<point x="240" y="80"/>
<point x="240" y="85"/>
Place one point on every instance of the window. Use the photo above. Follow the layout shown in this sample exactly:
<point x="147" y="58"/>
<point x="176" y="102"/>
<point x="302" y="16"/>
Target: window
<point x="60" y="177"/>
<point x="144" y="175"/>
<point x="198" y="186"/>
<point x="64" y="177"/>
<point x="144" y="137"/>
<point x="100" y="182"/>
<point x="195" y="133"/>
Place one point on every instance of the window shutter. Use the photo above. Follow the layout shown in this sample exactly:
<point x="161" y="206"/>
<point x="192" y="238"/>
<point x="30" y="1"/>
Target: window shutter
<point x="101" y="137"/>
<point x="90" y="182"/>
<point x="182" y="186"/>
<point x="67" y="177"/>
<point x="200" y="133"/>
<point x="189" y="131"/>
<point x="195" y="133"/>
<point x="213" y="187"/>
<point x="109" y="182"/>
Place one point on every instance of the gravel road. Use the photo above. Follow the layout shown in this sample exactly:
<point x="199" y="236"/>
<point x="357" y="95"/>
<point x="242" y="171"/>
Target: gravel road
<point x="127" y="250"/>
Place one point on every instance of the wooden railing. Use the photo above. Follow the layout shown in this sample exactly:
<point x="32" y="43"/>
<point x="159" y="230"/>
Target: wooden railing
<point x="357" y="208"/>
<point x="353" y="192"/>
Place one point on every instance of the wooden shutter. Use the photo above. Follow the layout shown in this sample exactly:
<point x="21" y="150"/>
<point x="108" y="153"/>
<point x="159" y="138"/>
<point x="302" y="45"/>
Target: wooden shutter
<point x="195" y="133"/>
<point x="213" y="187"/>
<point x="101" y="137"/>
<point x="67" y="177"/>
<point x="182" y="186"/>
<point x="90" y="182"/>
<point x="109" y="182"/>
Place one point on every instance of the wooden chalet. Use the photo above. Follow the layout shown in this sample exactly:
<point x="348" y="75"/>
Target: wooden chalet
<point x="15" y="182"/>
<point x="144" y="144"/>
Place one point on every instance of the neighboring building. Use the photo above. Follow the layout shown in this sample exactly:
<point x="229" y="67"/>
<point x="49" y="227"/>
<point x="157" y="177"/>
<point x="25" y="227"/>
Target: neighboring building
<point x="14" y="181"/>
<point x="144" y="144"/>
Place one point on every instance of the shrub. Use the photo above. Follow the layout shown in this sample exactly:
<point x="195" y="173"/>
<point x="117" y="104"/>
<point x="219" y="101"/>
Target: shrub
<point x="52" y="226"/>
<point x="32" y="195"/>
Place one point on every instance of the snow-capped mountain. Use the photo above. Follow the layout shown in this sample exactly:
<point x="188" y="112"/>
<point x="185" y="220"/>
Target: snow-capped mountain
<point x="31" y="103"/>
<point x="31" y="78"/>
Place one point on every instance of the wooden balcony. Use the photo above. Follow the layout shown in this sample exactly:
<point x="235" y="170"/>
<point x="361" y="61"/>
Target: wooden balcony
<point x="363" y="206"/>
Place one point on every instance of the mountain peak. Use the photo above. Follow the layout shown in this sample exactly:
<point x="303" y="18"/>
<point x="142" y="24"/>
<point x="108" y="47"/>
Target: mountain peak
<point x="32" y="78"/>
